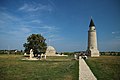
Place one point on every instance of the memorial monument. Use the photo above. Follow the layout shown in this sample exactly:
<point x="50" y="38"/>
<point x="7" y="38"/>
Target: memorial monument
<point x="92" y="41"/>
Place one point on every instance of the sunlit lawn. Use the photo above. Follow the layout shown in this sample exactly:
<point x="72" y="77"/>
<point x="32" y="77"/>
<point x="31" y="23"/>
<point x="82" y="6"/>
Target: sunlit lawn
<point x="54" y="68"/>
<point x="105" y="67"/>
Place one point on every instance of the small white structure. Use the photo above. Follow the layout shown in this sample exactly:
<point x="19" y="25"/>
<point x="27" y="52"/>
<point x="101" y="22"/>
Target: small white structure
<point x="86" y="57"/>
<point x="31" y="56"/>
<point x="31" y="53"/>
<point x="75" y="56"/>
<point x="25" y="54"/>
<point x="50" y="51"/>
<point x="45" y="56"/>
<point x="15" y="51"/>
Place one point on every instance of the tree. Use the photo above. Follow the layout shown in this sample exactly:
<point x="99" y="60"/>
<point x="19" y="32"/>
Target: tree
<point x="35" y="42"/>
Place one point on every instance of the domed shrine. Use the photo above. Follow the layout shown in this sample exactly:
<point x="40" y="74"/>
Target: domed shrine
<point x="50" y="51"/>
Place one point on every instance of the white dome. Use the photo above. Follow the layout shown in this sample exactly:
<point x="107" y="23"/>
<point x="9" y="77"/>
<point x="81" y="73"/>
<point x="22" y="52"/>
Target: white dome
<point x="50" y="48"/>
<point x="50" y="51"/>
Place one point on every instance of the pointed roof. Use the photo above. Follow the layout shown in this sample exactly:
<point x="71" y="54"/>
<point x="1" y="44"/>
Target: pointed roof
<point x="91" y="23"/>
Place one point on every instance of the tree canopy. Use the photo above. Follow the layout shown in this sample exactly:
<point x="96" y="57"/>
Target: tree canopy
<point x="35" y="42"/>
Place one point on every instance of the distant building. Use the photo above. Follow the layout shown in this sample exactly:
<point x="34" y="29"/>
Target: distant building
<point x="92" y="41"/>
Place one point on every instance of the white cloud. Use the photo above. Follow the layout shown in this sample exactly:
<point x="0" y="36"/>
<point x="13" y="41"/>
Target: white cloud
<point x="35" y="7"/>
<point x="50" y="28"/>
<point x="116" y="35"/>
<point x="19" y="31"/>
<point x="25" y="6"/>
<point x="8" y="16"/>
<point x="52" y="4"/>
<point x="11" y="24"/>
<point x="25" y="30"/>
<point x="116" y="32"/>
<point x="7" y="19"/>
<point x="113" y="32"/>
<point x="51" y="36"/>
<point x="13" y="32"/>
<point x="22" y="27"/>
<point x="36" y="21"/>
<point x="14" y="22"/>
<point x="46" y="28"/>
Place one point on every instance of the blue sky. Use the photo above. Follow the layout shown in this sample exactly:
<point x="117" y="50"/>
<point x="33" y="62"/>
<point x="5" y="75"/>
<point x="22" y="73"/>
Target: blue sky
<point x="64" y="22"/>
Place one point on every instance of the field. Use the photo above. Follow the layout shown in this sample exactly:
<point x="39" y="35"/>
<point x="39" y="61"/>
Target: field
<point x="12" y="67"/>
<point x="105" y="67"/>
<point x="54" y="68"/>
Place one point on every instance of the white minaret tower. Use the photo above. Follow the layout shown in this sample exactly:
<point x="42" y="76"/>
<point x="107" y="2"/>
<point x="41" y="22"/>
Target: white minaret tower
<point x="92" y="41"/>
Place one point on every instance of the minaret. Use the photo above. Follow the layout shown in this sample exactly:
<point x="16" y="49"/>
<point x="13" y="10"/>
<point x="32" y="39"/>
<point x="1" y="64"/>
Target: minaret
<point x="92" y="41"/>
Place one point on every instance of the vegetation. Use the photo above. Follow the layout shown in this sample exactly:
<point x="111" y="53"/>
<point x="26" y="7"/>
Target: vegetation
<point x="105" y="67"/>
<point x="110" y="53"/>
<point x="11" y="52"/>
<point x="72" y="53"/>
<point x="68" y="53"/>
<point x="35" y="42"/>
<point x="12" y="67"/>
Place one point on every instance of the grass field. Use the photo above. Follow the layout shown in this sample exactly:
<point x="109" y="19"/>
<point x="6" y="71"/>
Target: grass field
<point x="105" y="67"/>
<point x="54" y="68"/>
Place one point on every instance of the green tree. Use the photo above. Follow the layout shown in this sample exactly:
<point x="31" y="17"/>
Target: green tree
<point x="35" y="42"/>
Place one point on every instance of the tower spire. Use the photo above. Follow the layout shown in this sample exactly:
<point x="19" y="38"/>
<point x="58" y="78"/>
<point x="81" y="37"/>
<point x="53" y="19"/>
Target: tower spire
<point x="91" y="23"/>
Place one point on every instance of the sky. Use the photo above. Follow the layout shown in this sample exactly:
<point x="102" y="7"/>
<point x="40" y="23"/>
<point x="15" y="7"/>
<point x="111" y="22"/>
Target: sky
<point x="64" y="23"/>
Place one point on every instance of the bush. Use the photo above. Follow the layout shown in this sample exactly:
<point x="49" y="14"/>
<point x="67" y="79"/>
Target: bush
<point x="118" y="54"/>
<point x="68" y="53"/>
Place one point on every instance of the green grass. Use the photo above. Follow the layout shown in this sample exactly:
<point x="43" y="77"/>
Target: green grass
<point x="105" y="67"/>
<point x="54" y="68"/>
